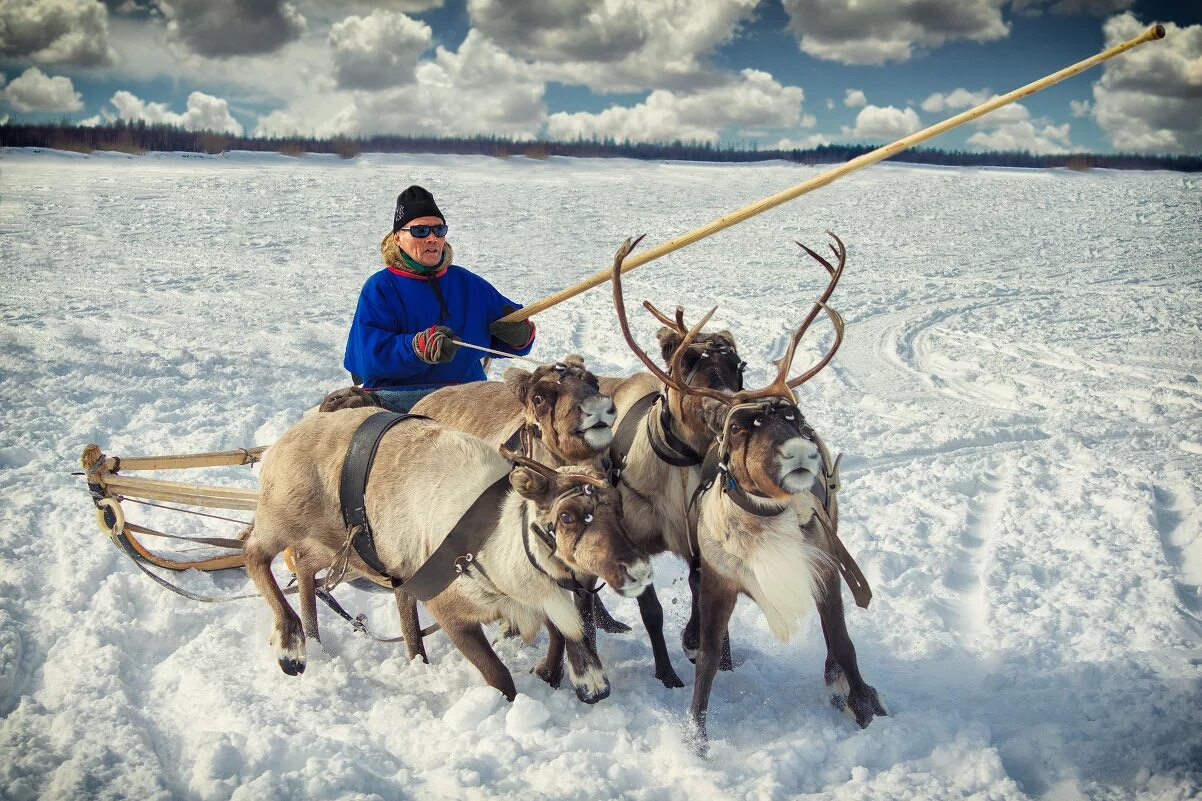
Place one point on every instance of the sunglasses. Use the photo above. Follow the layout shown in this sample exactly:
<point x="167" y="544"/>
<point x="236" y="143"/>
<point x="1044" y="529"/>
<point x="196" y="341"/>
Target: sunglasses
<point x="423" y="231"/>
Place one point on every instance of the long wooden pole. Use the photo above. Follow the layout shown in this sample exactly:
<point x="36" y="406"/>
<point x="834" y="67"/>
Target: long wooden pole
<point x="881" y="153"/>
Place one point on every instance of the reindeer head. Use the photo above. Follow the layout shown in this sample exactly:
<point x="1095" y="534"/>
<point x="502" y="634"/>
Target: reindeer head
<point x="574" y="420"/>
<point x="579" y="518"/>
<point x="764" y="441"/>
<point x="708" y="360"/>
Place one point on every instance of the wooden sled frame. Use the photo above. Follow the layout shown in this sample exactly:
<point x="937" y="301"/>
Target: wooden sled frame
<point x="108" y="488"/>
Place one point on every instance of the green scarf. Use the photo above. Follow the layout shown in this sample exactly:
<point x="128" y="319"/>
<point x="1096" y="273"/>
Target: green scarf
<point x="419" y="268"/>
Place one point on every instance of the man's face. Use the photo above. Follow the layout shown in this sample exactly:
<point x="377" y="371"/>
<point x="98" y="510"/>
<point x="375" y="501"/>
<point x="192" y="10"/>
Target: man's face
<point x="427" y="250"/>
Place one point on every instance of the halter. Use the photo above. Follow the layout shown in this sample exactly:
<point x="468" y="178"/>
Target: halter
<point x="717" y="460"/>
<point x="721" y="350"/>
<point x="547" y="535"/>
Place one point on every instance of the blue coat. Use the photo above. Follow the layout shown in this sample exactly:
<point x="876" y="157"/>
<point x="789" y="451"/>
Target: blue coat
<point x="393" y="306"/>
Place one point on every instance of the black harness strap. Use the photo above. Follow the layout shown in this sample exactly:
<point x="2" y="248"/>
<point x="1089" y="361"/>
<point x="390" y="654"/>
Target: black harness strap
<point x="458" y="550"/>
<point x="352" y="485"/>
<point x="667" y="446"/>
<point x="626" y="431"/>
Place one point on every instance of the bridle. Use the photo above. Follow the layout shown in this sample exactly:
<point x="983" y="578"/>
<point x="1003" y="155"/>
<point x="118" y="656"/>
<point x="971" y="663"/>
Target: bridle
<point x="718" y="351"/>
<point x="716" y="469"/>
<point x="547" y="536"/>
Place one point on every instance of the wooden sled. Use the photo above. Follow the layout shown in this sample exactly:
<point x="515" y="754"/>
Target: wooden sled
<point x="109" y="488"/>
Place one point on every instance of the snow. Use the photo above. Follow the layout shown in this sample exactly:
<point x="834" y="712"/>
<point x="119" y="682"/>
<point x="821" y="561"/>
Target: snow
<point x="1018" y="401"/>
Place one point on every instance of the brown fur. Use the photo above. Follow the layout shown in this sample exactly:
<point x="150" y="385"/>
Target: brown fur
<point x="348" y="398"/>
<point x="416" y="463"/>
<point x="493" y="410"/>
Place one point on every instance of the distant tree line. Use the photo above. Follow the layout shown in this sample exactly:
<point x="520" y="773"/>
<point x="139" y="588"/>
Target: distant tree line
<point x="141" y="137"/>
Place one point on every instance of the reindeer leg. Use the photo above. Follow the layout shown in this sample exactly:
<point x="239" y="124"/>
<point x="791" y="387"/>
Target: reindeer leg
<point x="288" y="638"/>
<point x="550" y="669"/>
<point x="653" y="619"/>
<point x="470" y="640"/>
<point x="604" y="620"/>
<point x="718" y="598"/>
<point x="306" y="596"/>
<point x="585" y="670"/>
<point x="585" y="608"/>
<point x="690" y="638"/>
<point x="411" y="628"/>
<point x="848" y="691"/>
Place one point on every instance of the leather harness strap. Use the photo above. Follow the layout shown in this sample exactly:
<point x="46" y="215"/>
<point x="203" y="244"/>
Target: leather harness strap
<point x="460" y="547"/>
<point x="457" y="549"/>
<point x="352" y="485"/>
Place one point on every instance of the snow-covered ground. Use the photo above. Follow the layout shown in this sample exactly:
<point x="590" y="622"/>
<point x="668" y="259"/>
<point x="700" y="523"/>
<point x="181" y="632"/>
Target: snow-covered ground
<point x="1018" y="400"/>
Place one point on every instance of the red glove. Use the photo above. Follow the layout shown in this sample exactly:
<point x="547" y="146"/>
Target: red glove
<point x="434" y="345"/>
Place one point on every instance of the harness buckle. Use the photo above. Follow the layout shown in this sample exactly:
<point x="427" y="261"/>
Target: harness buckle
<point x="466" y="560"/>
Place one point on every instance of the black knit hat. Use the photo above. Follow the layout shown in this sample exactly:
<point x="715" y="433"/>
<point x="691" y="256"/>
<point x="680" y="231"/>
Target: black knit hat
<point x="414" y="202"/>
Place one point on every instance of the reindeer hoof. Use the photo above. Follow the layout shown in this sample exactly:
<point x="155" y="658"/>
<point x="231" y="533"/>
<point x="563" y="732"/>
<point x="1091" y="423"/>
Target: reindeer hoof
<point x="865" y="705"/>
<point x="611" y="626"/>
<point x="669" y="678"/>
<point x="293" y="667"/>
<point x="551" y="675"/>
<point x="592" y="696"/>
<point x="290" y="650"/>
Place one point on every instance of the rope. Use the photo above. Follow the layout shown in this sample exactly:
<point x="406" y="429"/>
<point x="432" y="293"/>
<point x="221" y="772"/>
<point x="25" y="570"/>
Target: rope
<point x="185" y="511"/>
<point x="496" y="352"/>
<point x="341" y="564"/>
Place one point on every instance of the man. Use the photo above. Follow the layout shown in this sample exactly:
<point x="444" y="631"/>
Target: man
<point x="401" y="340"/>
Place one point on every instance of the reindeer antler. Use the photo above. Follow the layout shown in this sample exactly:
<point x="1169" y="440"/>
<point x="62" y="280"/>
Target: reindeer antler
<point x="779" y="387"/>
<point x="674" y="377"/>
<point x="548" y="471"/>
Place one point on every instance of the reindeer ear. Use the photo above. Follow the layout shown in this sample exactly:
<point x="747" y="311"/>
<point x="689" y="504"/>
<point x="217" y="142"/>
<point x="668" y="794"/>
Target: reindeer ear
<point x="532" y="485"/>
<point x="713" y="413"/>
<point x="669" y="341"/>
<point x="574" y="360"/>
<point x="518" y="380"/>
<point x="726" y="335"/>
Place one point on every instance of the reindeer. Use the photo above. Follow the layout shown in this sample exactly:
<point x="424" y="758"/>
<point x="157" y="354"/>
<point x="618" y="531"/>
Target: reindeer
<point x="559" y="417"/>
<point x="424" y="477"/>
<point x="762" y="528"/>
<point x="562" y="402"/>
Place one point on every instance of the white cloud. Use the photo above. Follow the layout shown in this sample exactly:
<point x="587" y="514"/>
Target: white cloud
<point x="232" y="27"/>
<point x="34" y="90"/>
<point x="855" y="98"/>
<point x="830" y="103"/>
<point x="1081" y="108"/>
<point x="1012" y="128"/>
<point x="1150" y="99"/>
<point x="204" y="112"/>
<point x="377" y="51"/>
<point x="619" y="45"/>
<point x="877" y="31"/>
<point x="756" y="100"/>
<point x="955" y="99"/>
<point x="805" y="143"/>
<point x="883" y="123"/>
<point x="1024" y="136"/>
<point x="478" y="90"/>
<point x="55" y="32"/>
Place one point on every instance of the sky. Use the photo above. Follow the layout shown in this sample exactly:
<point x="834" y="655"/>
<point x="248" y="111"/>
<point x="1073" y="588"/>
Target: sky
<point x="762" y="73"/>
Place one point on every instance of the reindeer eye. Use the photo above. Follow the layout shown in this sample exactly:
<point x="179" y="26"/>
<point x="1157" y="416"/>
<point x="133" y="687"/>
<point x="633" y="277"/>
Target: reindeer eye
<point x="538" y="400"/>
<point x="566" y="519"/>
<point x="758" y="421"/>
<point x="789" y="415"/>
<point x="735" y="428"/>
